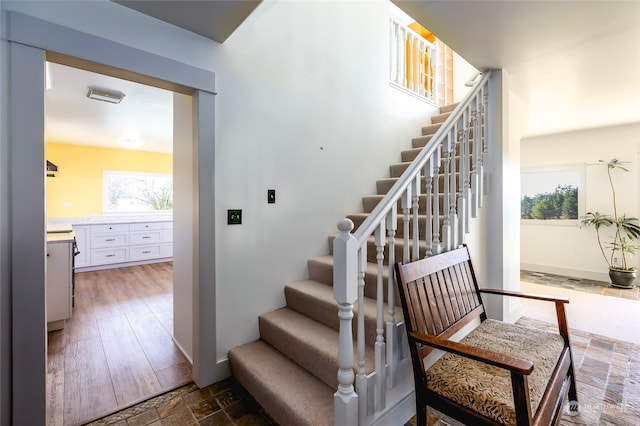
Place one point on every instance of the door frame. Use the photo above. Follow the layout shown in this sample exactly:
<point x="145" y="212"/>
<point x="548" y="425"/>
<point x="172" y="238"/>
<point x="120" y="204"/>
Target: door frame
<point x="32" y="42"/>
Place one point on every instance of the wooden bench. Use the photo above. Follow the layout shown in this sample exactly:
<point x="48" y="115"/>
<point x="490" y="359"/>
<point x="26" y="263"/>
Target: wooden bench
<point x="499" y="373"/>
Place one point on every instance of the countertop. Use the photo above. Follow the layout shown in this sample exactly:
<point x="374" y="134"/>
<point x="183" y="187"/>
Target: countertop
<point x="57" y="223"/>
<point x="64" y="237"/>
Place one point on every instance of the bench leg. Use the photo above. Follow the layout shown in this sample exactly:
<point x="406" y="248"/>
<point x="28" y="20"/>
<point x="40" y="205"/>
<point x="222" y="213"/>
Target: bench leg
<point x="421" y="415"/>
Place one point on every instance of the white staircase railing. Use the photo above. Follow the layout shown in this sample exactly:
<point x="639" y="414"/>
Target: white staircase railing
<point x="453" y="159"/>
<point x="412" y="61"/>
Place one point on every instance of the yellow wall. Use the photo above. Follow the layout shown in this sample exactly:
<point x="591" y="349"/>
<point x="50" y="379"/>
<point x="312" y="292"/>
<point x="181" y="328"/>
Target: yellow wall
<point x="77" y="190"/>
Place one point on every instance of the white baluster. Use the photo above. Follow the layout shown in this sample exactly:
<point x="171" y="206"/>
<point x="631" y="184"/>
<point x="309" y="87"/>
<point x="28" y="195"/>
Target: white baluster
<point x="477" y="130"/>
<point x="393" y="45"/>
<point x="393" y="342"/>
<point x="416" y="224"/>
<point x="415" y="61"/>
<point x="435" y="246"/>
<point x="466" y="187"/>
<point x="428" y="235"/>
<point x="485" y="143"/>
<point x="361" y="376"/>
<point x="401" y="57"/>
<point x="453" y="187"/>
<point x="345" y="400"/>
<point x="461" y="202"/>
<point x="446" y="231"/>
<point x="406" y="206"/>
<point x="380" y="350"/>
<point x="475" y="181"/>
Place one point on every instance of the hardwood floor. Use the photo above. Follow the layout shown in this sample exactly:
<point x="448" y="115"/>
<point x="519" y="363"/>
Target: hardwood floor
<point x="117" y="348"/>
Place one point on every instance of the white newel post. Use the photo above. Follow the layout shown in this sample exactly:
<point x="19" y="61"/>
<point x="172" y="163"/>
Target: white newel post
<point x="345" y="292"/>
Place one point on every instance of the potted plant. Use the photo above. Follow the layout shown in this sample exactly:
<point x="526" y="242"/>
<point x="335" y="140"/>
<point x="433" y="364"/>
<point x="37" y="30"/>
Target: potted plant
<point x="627" y="231"/>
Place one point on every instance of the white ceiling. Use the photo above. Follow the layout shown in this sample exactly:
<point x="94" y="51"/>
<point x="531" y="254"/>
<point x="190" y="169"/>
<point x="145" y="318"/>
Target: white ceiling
<point x="145" y="113"/>
<point x="575" y="63"/>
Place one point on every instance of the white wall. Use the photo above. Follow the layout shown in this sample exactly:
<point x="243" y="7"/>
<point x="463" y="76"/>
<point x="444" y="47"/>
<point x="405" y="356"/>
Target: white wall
<point x="567" y="249"/>
<point x="303" y="90"/>
<point x="463" y="71"/>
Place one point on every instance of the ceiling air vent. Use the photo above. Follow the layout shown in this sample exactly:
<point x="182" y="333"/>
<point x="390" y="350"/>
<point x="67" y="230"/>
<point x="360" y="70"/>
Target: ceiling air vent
<point x="105" y="95"/>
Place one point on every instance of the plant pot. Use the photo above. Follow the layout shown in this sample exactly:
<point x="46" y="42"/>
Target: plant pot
<point x="622" y="278"/>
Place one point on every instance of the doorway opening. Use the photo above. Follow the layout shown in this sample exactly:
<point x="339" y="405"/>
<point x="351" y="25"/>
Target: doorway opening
<point x="114" y="187"/>
<point x="31" y="43"/>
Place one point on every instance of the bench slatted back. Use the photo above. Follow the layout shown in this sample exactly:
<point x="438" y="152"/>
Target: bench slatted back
<point x="439" y="294"/>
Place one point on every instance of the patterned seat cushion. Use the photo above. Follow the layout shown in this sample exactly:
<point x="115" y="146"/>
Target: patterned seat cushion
<point x="487" y="389"/>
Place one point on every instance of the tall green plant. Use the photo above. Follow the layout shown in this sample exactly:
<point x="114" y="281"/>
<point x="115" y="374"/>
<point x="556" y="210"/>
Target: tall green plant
<point x="627" y="229"/>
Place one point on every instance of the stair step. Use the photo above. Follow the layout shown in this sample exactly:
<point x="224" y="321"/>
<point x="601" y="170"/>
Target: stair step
<point x="371" y="201"/>
<point x="323" y="265"/>
<point x="408" y="155"/>
<point x="399" y="254"/>
<point x="289" y="393"/>
<point x="430" y="129"/>
<point x="420" y="141"/>
<point x="307" y="342"/>
<point x="384" y="185"/>
<point x="448" y="108"/>
<point x="359" y="218"/>
<point x="440" y="118"/>
<point x="315" y="299"/>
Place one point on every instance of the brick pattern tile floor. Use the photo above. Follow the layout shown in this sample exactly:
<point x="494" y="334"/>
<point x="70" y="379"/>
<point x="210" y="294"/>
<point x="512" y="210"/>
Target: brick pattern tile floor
<point x="579" y="284"/>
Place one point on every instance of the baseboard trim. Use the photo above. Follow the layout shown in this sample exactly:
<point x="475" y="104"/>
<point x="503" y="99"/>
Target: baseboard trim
<point x="186" y="355"/>
<point x="576" y="273"/>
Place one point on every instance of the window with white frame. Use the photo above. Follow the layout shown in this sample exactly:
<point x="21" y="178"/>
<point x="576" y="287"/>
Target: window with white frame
<point x="136" y="192"/>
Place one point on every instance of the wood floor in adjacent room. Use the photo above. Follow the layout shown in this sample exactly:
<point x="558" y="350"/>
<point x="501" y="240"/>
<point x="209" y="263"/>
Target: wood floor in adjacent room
<point x="117" y="348"/>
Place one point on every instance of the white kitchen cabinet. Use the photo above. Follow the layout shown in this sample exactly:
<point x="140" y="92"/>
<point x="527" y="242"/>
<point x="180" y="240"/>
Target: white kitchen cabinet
<point x="59" y="282"/>
<point x="117" y="244"/>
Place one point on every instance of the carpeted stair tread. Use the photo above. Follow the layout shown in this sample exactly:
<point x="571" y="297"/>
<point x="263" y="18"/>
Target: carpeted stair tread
<point x="309" y="343"/>
<point x="440" y="118"/>
<point x="371" y="201"/>
<point x="448" y="108"/>
<point x="315" y="299"/>
<point x="384" y="185"/>
<point x="371" y="256"/>
<point x="430" y="129"/>
<point x="359" y="218"/>
<point x="289" y="393"/>
<point x="420" y="141"/>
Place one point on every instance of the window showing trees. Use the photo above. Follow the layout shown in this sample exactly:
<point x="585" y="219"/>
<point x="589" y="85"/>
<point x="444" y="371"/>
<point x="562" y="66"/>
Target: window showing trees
<point x="550" y="194"/>
<point x="132" y="192"/>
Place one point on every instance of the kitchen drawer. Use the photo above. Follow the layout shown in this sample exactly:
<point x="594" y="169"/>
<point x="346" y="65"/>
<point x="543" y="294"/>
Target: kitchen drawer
<point x="145" y="226"/>
<point x="150" y="237"/>
<point x="109" y="255"/>
<point x="167" y="235"/>
<point x="108" y="240"/>
<point x="167" y="225"/>
<point x="167" y="250"/>
<point x="110" y="228"/>
<point x="145" y="252"/>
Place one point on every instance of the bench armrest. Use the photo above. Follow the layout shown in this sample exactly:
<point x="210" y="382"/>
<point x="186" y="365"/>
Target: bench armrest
<point x="507" y="362"/>
<point x="563" y="327"/>
<point x="524" y="295"/>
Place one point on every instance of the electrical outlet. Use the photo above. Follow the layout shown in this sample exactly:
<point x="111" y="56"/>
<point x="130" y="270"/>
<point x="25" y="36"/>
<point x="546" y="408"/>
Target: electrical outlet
<point x="234" y="217"/>
<point x="271" y="196"/>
